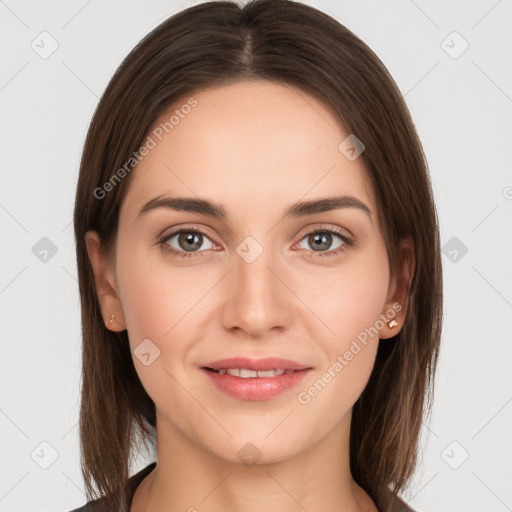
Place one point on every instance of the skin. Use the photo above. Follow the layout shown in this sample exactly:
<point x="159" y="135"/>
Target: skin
<point x="255" y="147"/>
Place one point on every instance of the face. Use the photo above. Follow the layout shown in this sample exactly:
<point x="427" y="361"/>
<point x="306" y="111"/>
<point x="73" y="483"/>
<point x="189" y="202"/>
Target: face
<point x="310" y="287"/>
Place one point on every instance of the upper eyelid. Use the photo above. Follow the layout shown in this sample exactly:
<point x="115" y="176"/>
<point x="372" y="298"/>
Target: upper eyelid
<point x="185" y="229"/>
<point x="305" y="232"/>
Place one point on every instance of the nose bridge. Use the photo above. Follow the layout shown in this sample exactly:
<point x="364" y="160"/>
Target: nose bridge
<point x="254" y="280"/>
<point x="256" y="299"/>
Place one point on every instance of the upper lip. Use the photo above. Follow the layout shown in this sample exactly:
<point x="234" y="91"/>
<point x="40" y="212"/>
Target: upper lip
<point x="268" y="363"/>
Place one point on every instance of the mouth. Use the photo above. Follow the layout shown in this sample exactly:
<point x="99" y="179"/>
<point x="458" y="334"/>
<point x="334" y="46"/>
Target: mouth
<point x="245" y="373"/>
<point x="249" y="379"/>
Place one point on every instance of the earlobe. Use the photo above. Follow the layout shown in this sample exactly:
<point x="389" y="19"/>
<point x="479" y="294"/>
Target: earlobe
<point x="392" y="326"/>
<point x="396" y="308"/>
<point x="105" y="284"/>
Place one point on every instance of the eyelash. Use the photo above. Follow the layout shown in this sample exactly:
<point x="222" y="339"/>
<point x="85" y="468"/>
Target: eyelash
<point x="347" y="242"/>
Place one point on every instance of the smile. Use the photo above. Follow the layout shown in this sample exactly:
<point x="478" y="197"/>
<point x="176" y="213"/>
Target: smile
<point x="254" y="379"/>
<point x="244" y="373"/>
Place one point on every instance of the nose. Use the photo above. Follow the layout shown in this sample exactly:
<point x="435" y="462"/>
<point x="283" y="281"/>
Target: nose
<point x="257" y="299"/>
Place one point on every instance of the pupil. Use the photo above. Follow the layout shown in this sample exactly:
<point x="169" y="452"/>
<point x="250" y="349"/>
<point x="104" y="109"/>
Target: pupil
<point x="323" y="239"/>
<point x="193" y="240"/>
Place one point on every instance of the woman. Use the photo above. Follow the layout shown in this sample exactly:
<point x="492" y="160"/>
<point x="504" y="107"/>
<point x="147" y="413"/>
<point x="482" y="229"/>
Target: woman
<point x="259" y="269"/>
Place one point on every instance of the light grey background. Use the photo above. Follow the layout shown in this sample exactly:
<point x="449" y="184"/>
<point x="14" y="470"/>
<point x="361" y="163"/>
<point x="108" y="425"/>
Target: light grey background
<point x="461" y="105"/>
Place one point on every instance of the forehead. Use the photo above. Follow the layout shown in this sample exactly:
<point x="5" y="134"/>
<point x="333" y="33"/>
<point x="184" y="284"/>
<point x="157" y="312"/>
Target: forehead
<point x="247" y="142"/>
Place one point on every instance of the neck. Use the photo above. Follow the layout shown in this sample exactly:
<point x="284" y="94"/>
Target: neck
<point x="188" y="478"/>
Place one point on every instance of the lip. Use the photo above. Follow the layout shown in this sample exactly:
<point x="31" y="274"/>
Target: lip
<point x="268" y="363"/>
<point x="255" y="388"/>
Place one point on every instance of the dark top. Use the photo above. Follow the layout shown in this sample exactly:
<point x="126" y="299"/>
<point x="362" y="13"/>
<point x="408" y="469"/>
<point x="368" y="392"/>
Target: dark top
<point x="397" y="506"/>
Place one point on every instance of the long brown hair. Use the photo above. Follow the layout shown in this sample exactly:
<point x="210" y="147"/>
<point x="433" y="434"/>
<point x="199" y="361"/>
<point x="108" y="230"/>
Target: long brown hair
<point x="216" y="43"/>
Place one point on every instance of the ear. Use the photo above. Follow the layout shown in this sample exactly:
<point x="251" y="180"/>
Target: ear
<point x="105" y="283"/>
<point x="397" y="300"/>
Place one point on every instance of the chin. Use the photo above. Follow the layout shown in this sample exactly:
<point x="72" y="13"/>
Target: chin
<point x="257" y="450"/>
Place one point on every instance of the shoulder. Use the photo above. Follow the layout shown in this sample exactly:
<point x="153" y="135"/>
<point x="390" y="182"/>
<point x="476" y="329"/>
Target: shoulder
<point x="90" y="506"/>
<point x="398" y="505"/>
<point x="133" y="482"/>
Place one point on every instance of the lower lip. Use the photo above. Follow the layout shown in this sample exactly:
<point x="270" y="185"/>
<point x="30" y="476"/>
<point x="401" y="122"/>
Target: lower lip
<point x="256" y="388"/>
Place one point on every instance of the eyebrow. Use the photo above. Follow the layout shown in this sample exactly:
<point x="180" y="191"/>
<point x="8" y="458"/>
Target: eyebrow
<point x="300" y="209"/>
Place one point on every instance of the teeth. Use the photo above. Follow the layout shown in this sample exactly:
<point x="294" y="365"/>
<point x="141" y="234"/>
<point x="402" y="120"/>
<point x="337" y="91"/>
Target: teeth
<point x="248" y="374"/>
<point x="245" y="374"/>
<point x="270" y="373"/>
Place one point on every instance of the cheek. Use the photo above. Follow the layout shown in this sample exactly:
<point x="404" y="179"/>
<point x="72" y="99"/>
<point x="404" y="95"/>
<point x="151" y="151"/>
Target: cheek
<point x="162" y="303"/>
<point x="349" y="304"/>
<point x="158" y="305"/>
<point x="350" y="298"/>
<point x="347" y="357"/>
<point x="155" y="297"/>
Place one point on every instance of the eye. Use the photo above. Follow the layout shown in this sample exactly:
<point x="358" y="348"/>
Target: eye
<point x="186" y="243"/>
<point x="321" y="239"/>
